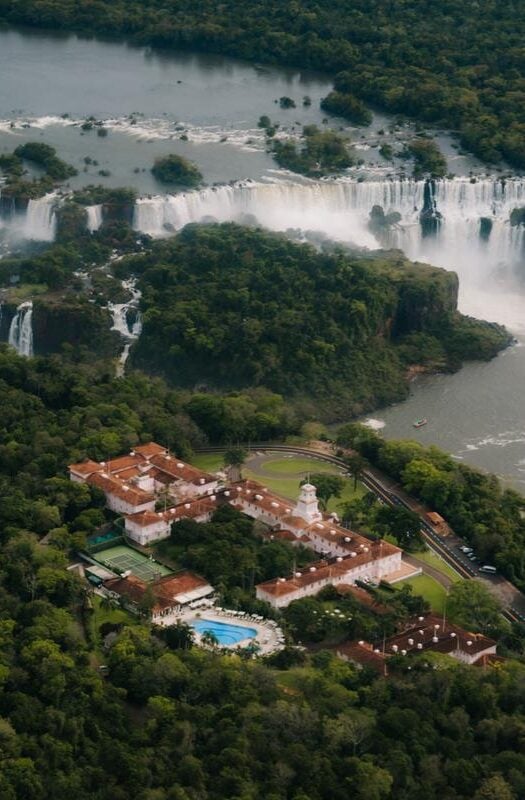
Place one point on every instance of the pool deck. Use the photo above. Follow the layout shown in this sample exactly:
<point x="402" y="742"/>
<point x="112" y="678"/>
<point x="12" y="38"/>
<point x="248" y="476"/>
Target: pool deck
<point x="269" y="636"/>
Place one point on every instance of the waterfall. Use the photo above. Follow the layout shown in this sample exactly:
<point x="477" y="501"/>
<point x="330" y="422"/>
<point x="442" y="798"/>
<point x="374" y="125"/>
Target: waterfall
<point x="340" y="208"/>
<point x="94" y="217"/>
<point x="471" y="233"/>
<point x="21" y="330"/>
<point x="37" y="222"/>
<point x="40" y="219"/>
<point x="120" y="314"/>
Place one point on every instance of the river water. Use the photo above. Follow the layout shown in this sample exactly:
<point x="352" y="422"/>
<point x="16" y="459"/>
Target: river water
<point x="149" y="100"/>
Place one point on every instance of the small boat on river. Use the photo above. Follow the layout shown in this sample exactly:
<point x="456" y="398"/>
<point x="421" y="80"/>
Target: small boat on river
<point x="420" y="422"/>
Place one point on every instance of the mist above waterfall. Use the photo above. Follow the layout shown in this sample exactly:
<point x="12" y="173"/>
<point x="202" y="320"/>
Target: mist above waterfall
<point x="473" y="234"/>
<point x="36" y="223"/>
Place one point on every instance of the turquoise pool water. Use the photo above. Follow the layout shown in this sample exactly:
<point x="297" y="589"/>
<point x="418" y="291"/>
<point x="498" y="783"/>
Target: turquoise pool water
<point x="225" y="633"/>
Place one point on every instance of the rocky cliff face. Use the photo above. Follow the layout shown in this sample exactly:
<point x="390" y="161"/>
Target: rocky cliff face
<point x="425" y="300"/>
<point x="78" y="324"/>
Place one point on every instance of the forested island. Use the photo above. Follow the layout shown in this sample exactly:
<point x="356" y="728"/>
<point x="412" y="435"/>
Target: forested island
<point x="441" y="64"/>
<point x="227" y="307"/>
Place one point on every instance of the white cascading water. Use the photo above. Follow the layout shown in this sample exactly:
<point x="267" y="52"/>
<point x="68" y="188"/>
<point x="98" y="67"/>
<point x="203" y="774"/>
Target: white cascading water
<point x="341" y="210"/>
<point x="94" y="217"/>
<point x="119" y="312"/>
<point x="39" y="221"/>
<point x="21" y="330"/>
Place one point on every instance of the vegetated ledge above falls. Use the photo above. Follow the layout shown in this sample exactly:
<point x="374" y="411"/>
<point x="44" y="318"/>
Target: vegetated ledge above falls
<point x="65" y="320"/>
<point x="227" y="307"/>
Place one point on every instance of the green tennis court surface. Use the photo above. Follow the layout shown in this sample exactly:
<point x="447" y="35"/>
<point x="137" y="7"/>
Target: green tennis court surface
<point x="123" y="558"/>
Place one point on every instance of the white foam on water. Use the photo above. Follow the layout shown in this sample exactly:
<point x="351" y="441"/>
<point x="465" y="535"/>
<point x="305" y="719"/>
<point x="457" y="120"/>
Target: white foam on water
<point x="374" y="424"/>
<point x="490" y="269"/>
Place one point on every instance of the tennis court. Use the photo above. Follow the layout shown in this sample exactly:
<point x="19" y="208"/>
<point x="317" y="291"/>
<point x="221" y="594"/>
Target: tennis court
<point x="122" y="558"/>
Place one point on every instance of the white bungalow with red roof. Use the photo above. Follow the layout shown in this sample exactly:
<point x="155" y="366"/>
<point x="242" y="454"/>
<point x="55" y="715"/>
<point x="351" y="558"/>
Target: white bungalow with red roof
<point x="121" y="497"/>
<point x="170" y="592"/>
<point x="150" y="526"/>
<point x="133" y="482"/>
<point x="379" y="560"/>
<point x="428" y="633"/>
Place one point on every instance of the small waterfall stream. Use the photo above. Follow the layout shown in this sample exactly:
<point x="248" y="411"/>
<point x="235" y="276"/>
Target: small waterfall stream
<point x="94" y="217"/>
<point x="120" y="313"/>
<point x="39" y="222"/>
<point x="21" y="330"/>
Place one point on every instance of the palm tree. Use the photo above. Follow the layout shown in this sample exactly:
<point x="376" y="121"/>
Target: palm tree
<point x="234" y="459"/>
<point x="208" y="638"/>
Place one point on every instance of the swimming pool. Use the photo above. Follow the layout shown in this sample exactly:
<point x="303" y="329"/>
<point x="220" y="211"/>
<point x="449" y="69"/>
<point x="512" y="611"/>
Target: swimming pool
<point x="225" y="633"/>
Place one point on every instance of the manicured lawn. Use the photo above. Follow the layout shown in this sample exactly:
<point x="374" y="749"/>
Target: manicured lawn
<point x="287" y="487"/>
<point x="210" y="462"/>
<point x="428" y="588"/>
<point x="114" y="615"/>
<point x="98" y="617"/>
<point x="285" y="475"/>
<point x="290" y="466"/>
<point x="433" y="560"/>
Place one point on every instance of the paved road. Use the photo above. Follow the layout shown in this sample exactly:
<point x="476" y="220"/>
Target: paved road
<point x="390" y="492"/>
<point x="445" y="580"/>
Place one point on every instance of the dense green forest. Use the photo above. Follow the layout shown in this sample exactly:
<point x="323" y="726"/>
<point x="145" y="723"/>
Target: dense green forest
<point x="165" y="722"/>
<point x="227" y="307"/>
<point x="458" y="64"/>
<point x="475" y="504"/>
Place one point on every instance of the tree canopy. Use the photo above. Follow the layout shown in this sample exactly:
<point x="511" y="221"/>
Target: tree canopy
<point x="475" y="504"/>
<point x="232" y="307"/>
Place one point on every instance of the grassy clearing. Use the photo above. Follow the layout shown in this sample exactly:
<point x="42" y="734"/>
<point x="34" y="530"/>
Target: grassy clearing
<point x="115" y="615"/>
<point x="433" y="560"/>
<point x="287" y="475"/>
<point x="428" y="588"/>
<point x="291" y="466"/>
<point x="210" y="462"/>
<point x="102" y="614"/>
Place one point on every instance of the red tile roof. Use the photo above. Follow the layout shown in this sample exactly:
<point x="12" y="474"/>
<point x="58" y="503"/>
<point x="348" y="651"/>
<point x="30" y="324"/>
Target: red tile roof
<point x="147" y="451"/>
<point x="256" y="494"/>
<point x="172" y="586"/>
<point x="116" y="465"/>
<point x="430" y="633"/>
<point x="364" y="654"/>
<point x="168" y="590"/>
<point x="314" y="573"/>
<point x="187" y="510"/>
<point x="87" y="467"/>
<point x="179" y="470"/>
<point x="131" y="494"/>
<point x="131" y="587"/>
